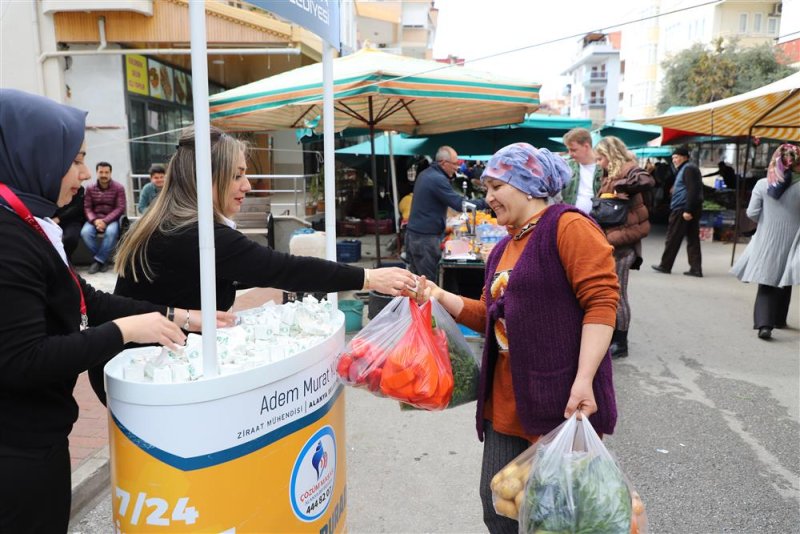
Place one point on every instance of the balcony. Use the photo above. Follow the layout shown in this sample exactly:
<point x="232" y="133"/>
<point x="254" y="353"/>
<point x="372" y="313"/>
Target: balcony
<point x="595" y="78"/>
<point x="596" y="103"/>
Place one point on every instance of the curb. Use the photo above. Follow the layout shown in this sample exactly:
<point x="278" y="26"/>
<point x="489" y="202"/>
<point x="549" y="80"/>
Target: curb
<point x="89" y="480"/>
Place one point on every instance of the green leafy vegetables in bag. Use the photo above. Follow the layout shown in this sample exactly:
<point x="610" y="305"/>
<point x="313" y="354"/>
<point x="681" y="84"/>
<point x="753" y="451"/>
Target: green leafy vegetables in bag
<point x="580" y="494"/>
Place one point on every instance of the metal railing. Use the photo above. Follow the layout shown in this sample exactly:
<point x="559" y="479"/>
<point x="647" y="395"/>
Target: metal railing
<point x="291" y="196"/>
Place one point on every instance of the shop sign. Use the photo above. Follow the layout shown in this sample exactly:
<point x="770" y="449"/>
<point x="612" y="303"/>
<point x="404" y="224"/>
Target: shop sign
<point x="136" y="74"/>
<point x="320" y="17"/>
<point x="159" y="78"/>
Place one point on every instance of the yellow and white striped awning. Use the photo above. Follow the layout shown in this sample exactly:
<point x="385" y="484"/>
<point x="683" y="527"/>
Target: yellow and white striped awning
<point x="392" y="92"/>
<point x="771" y="111"/>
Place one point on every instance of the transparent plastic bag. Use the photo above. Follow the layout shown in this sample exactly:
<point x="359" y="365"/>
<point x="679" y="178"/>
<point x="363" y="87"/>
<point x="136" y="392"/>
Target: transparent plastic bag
<point x="397" y="355"/>
<point x="576" y="486"/>
<point x="464" y="364"/>
<point x="508" y="485"/>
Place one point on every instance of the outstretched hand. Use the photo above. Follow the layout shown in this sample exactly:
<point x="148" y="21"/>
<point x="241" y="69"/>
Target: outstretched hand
<point x="392" y="281"/>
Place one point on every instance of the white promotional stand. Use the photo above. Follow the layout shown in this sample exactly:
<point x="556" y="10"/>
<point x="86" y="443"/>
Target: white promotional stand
<point x="262" y="450"/>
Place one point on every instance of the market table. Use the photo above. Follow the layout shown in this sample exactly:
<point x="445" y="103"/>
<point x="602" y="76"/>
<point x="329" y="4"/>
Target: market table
<point x="462" y="277"/>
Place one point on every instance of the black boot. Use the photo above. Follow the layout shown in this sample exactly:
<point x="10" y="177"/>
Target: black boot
<point x="619" y="344"/>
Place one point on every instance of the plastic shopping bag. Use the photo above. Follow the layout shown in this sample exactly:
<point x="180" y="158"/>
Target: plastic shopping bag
<point x="463" y="361"/>
<point x="576" y="486"/>
<point x="397" y="355"/>
<point x="508" y="485"/>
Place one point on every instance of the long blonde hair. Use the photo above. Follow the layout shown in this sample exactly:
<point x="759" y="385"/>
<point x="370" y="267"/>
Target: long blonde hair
<point x="175" y="207"/>
<point x="615" y="152"/>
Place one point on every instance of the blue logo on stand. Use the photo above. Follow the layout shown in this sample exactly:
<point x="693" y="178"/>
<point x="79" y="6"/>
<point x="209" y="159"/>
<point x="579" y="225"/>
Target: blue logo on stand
<point x="314" y="475"/>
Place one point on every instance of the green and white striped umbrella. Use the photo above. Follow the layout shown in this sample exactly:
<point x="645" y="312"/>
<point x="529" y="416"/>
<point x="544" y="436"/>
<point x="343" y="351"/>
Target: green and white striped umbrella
<point x="386" y="91"/>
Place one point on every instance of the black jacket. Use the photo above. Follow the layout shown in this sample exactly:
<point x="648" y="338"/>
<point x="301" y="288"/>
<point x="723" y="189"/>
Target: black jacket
<point x="43" y="349"/>
<point x="240" y="263"/>
<point x="73" y="212"/>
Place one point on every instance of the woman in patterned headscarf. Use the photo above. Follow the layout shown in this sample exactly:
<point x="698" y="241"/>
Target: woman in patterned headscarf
<point x="772" y="258"/>
<point x="547" y="310"/>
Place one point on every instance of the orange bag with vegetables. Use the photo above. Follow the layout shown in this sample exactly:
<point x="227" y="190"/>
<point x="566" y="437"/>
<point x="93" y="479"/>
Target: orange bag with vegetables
<point x="397" y="355"/>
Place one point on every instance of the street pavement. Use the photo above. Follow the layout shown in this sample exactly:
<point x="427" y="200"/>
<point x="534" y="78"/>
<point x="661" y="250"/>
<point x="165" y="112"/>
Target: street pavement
<point x="708" y="432"/>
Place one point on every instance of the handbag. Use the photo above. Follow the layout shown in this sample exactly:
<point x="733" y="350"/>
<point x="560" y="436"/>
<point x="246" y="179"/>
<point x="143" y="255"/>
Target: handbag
<point x="609" y="212"/>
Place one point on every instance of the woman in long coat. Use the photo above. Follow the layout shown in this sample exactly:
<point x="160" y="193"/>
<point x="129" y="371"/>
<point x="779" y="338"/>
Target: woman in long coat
<point x="772" y="258"/>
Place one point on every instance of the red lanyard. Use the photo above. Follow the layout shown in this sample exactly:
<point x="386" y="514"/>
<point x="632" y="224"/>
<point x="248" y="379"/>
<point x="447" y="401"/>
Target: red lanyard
<point x="26" y="215"/>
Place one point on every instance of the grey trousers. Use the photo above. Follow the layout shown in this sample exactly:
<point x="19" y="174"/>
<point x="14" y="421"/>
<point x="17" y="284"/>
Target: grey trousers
<point x="498" y="450"/>
<point x="423" y="253"/>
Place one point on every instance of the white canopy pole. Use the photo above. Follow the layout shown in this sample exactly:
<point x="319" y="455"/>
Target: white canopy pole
<point x="328" y="155"/>
<point x="395" y="200"/>
<point x="205" y="212"/>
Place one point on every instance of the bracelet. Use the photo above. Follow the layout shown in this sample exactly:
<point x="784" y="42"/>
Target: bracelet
<point x="366" y="278"/>
<point x="186" y="322"/>
<point x="170" y="313"/>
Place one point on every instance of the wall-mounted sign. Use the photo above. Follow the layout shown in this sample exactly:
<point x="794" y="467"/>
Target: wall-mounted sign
<point x="183" y="87"/>
<point x="318" y="16"/>
<point x="159" y="78"/>
<point x="136" y="74"/>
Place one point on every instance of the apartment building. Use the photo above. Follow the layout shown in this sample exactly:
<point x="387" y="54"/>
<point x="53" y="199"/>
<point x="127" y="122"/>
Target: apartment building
<point x="647" y="44"/>
<point x="789" y="38"/>
<point x="594" y="75"/>
<point x="406" y="27"/>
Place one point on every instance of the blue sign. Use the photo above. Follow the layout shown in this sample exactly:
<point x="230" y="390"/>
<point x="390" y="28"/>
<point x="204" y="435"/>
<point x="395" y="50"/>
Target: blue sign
<point x="318" y="16"/>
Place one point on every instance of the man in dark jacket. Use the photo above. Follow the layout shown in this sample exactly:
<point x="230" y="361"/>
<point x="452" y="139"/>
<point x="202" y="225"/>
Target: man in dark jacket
<point x="71" y="218"/>
<point x="426" y="224"/>
<point x="684" y="218"/>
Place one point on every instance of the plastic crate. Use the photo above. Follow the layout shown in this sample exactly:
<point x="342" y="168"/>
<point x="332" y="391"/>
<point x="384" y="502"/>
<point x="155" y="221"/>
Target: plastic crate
<point x="348" y="251"/>
<point x="385" y="226"/>
<point x="350" y="228"/>
<point x="706" y="233"/>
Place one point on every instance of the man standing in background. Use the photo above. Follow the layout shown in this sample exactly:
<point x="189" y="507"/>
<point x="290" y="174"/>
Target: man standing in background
<point x="586" y="174"/>
<point x="104" y="205"/>
<point x="433" y="194"/>
<point x="684" y="217"/>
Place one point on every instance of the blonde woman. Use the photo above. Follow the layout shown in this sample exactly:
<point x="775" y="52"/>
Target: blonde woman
<point x="158" y="258"/>
<point x="624" y="179"/>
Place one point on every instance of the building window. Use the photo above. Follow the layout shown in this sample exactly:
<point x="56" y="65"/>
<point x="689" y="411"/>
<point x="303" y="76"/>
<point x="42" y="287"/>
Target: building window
<point x="772" y="25"/>
<point x="756" y="22"/>
<point x="743" y="23"/>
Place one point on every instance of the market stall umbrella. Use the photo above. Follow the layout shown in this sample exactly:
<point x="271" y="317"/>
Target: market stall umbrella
<point x="402" y="145"/>
<point x="535" y="129"/>
<point x="771" y="111"/>
<point x="634" y="135"/>
<point x="381" y="91"/>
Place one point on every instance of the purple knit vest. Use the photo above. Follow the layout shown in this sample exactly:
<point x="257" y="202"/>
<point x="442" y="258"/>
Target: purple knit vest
<point x="543" y="322"/>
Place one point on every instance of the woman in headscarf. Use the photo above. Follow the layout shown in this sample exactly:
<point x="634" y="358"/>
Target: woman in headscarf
<point x="772" y="258"/>
<point x="547" y="310"/>
<point x="624" y="179"/>
<point x="53" y="325"/>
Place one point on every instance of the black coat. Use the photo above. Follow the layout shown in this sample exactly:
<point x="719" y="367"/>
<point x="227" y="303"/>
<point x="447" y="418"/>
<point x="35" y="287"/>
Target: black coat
<point x="241" y="263"/>
<point x="43" y="350"/>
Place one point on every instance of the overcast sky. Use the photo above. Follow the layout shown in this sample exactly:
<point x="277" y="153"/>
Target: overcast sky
<point x="472" y="29"/>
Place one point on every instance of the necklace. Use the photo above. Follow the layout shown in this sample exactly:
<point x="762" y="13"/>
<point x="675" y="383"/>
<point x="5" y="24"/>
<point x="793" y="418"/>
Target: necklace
<point x="525" y="230"/>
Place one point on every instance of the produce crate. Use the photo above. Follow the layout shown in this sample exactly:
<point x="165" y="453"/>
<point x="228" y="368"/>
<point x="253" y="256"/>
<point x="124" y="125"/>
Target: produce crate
<point x="351" y="228"/>
<point x="385" y="226"/>
<point x="706" y="233"/>
<point x="348" y="251"/>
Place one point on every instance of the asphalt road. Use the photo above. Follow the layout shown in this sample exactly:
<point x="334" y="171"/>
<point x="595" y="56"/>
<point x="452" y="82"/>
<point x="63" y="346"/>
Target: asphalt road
<point x="708" y="433"/>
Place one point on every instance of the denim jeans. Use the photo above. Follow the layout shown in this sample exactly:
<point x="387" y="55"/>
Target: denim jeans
<point x="89" y="235"/>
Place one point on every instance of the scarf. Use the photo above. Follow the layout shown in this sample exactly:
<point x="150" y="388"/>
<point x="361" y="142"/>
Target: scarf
<point x="39" y="140"/>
